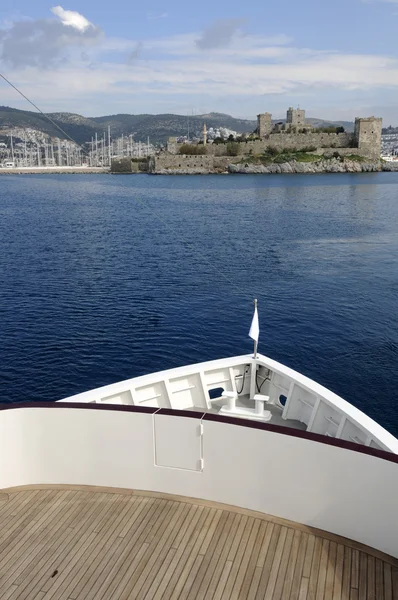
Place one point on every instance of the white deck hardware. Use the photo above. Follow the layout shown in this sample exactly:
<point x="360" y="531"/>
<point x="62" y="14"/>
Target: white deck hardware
<point x="259" y="414"/>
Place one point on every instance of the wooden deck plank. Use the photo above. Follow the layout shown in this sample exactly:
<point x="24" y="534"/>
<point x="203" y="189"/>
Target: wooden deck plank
<point x="130" y="552"/>
<point x="107" y="568"/>
<point x="395" y="583"/>
<point x="237" y="539"/>
<point x="245" y="560"/>
<point x="70" y="543"/>
<point x="288" y="582"/>
<point x="84" y="533"/>
<point x="379" y="582"/>
<point x="338" y="574"/>
<point x="371" y="583"/>
<point x="77" y="544"/>
<point x="35" y="545"/>
<point x="265" y="575"/>
<point x="304" y="586"/>
<point x="212" y="575"/>
<point x="251" y="567"/>
<point x="187" y="561"/>
<point x="223" y="556"/>
<point x="135" y="560"/>
<point x="255" y="582"/>
<point x="320" y="590"/>
<point x="158" y="549"/>
<point x="269" y="592"/>
<point x="281" y="579"/>
<point x="331" y="569"/>
<point x="52" y="549"/>
<point x="223" y="580"/>
<point x="165" y="556"/>
<point x="298" y="569"/>
<point x="25" y="511"/>
<point x="103" y="547"/>
<point x="49" y="551"/>
<point x="309" y="555"/>
<point x="313" y="577"/>
<point x="187" y="556"/>
<point x="20" y="528"/>
<point x="363" y="568"/>
<point x="347" y="570"/>
<point x="238" y="557"/>
<point x="201" y="580"/>
<point x="355" y="569"/>
<point x="182" y="559"/>
<point x="387" y="582"/>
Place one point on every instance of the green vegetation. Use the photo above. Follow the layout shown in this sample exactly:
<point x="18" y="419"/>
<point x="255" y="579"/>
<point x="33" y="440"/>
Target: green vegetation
<point x="355" y="157"/>
<point x="272" y="155"/>
<point x="193" y="150"/>
<point x="232" y="149"/>
<point x="339" y="129"/>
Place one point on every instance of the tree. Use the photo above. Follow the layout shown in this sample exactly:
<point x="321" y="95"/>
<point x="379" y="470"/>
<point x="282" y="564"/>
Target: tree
<point x="192" y="149"/>
<point x="232" y="149"/>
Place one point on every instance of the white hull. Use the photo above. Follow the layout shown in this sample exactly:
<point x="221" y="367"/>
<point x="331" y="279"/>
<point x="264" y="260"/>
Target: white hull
<point x="309" y="406"/>
<point x="128" y="436"/>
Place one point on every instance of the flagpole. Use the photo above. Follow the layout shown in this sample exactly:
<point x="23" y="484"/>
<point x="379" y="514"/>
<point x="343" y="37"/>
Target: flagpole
<point x="255" y="341"/>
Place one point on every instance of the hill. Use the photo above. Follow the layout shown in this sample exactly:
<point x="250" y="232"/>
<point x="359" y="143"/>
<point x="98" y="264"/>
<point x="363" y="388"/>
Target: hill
<point x="157" y="127"/>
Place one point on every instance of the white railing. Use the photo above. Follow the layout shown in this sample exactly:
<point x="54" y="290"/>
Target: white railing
<point x="321" y="410"/>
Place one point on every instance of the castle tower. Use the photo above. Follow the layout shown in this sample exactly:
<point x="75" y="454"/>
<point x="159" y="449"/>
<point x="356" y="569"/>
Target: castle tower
<point x="204" y="134"/>
<point x="367" y="135"/>
<point x="264" y="124"/>
<point x="295" y="117"/>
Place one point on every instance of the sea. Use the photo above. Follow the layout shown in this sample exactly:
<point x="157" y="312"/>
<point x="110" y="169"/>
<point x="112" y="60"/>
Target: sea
<point x="103" y="278"/>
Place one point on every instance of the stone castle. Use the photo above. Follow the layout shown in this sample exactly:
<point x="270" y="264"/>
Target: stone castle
<point x="297" y="133"/>
<point x="294" y="134"/>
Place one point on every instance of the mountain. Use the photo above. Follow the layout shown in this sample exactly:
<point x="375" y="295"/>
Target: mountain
<point x="157" y="127"/>
<point x="348" y="125"/>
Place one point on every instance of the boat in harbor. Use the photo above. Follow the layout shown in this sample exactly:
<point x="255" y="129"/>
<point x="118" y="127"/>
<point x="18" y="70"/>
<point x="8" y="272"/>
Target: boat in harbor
<point x="231" y="479"/>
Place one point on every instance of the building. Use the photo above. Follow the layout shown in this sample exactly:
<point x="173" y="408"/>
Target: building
<point x="297" y="133"/>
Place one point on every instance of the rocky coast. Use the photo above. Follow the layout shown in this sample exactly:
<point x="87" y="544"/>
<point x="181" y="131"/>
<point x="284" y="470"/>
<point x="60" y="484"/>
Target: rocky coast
<point x="333" y="165"/>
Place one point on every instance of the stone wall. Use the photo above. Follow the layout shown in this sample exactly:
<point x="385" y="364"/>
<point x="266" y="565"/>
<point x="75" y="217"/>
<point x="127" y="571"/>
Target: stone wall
<point x="129" y="165"/>
<point x="189" y="163"/>
<point x="286" y="141"/>
<point x="366" y="141"/>
<point x="283" y="141"/>
<point x="121" y="165"/>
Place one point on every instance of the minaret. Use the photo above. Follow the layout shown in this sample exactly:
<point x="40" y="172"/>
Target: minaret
<point x="204" y="134"/>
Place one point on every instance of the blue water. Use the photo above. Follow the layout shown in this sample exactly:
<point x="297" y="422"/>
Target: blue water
<point x="104" y="278"/>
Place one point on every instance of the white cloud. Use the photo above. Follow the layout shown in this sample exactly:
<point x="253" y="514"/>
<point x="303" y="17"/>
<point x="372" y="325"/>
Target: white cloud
<point x="70" y="18"/>
<point x="247" y="70"/>
<point x="46" y="42"/>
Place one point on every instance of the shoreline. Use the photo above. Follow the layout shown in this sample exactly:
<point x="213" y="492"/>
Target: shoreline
<point x="54" y="170"/>
<point x="292" y="168"/>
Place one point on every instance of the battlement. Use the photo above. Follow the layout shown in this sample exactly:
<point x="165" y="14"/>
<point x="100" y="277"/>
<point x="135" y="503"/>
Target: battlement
<point x="366" y="137"/>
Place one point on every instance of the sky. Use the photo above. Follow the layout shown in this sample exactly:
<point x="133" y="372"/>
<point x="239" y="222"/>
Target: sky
<point x="338" y="60"/>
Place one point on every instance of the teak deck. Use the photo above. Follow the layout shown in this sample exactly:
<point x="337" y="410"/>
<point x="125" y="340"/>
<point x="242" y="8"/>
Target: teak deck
<point x="72" y="543"/>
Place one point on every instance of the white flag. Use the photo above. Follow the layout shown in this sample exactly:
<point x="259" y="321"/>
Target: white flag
<point x="255" y="327"/>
